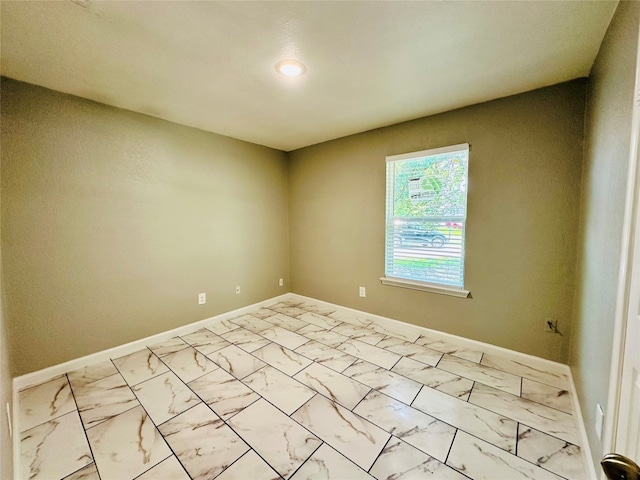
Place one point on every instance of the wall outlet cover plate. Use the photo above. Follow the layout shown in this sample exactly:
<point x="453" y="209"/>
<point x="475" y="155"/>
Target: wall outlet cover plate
<point x="599" y="421"/>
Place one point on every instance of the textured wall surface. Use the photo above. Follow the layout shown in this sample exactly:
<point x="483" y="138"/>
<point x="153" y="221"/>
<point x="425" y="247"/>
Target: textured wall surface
<point x="113" y="222"/>
<point x="524" y="193"/>
<point x="608" y="140"/>
<point x="6" y="390"/>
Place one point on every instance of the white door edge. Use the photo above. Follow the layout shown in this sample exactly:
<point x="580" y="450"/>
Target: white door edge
<point x="624" y="275"/>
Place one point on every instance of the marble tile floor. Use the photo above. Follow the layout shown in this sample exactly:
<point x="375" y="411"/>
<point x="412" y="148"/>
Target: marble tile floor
<point x="301" y="391"/>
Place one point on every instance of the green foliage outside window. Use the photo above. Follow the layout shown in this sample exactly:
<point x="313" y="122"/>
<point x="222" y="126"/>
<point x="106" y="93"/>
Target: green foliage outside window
<point x="441" y="177"/>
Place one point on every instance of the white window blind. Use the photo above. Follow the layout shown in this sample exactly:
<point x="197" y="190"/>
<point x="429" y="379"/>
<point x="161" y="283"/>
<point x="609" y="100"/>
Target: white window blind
<point x="426" y="212"/>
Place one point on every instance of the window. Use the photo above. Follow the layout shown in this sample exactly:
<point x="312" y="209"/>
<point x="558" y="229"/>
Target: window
<point x="426" y="218"/>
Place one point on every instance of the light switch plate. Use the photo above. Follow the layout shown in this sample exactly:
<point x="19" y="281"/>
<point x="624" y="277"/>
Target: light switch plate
<point x="599" y="421"/>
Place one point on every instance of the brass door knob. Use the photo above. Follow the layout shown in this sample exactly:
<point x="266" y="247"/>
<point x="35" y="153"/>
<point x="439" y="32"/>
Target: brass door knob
<point x="619" y="467"/>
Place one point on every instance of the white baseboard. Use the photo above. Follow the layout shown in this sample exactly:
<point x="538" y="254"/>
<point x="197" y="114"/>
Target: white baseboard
<point x="34" y="378"/>
<point x="40" y="376"/>
<point x="536" y="362"/>
<point x="586" y="450"/>
<point x="551" y="366"/>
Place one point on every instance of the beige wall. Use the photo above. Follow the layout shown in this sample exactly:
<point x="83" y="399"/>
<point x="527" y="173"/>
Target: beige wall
<point x="523" y="201"/>
<point x="6" y="450"/>
<point x="112" y="222"/>
<point x="608" y="128"/>
<point x="6" y="390"/>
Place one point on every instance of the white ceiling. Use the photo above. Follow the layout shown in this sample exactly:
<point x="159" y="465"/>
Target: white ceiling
<point x="210" y="65"/>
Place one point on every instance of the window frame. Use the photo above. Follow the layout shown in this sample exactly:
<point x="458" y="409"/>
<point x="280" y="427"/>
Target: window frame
<point x="432" y="287"/>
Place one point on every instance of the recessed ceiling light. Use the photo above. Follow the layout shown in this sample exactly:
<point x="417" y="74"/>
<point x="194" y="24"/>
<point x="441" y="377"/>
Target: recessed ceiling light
<point x="290" y="68"/>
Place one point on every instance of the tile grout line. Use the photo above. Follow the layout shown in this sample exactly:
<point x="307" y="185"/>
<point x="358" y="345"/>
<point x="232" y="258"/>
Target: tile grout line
<point x="156" y="426"/>
<point x="380" y="454"/>
<point x="373" y="390"/>
<point x="84" y="430"/>
<point x="148" y="416"/>
<point x="315" y="393"/>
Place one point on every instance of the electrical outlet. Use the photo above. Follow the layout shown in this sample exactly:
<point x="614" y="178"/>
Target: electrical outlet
<point x="281" y="282"/>
<point x="238" y="290"/>
<point x="202" y="298"/>
<point x="363" y="292"/>
<point x="599" y="421"/>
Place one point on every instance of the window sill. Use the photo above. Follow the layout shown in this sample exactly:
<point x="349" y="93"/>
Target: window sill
<point x="425" y="287"/>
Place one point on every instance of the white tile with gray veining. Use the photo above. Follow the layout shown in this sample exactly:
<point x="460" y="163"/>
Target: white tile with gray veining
<point x="481" y="460"/>
<point x="283" y="443"/>
<point x="236" y="361"/>
<point x="401" y="461"/>
<point x="498" y="429"/>
<point x="553" y="397"/>
<point x="286" y="322"/>
<point x="223" y="393"/>
<point x="282" y="358"/>
<point x="356" y="438"/>
<point x="403" y="331"/>
<point x="103" y="399"/>
<point x="289" y="310"/>
<point x="526" y="369"/>
<point x="378" y="356"/>
<point x="139" y="366"/>
<point x="319" y="320"/>
<point x="314" y="308"/>
<point x="166" y="347"/>
<point x="357" y="319"/>
<point x="164" y="397"/>
<point x="442" y="380"/>
<point x="390" y="383"/>
<point x="54" y="449"/>
<point x="222" y="326"/>
<point x="250" y="467"/>
<point x="205" y="341"/>
<point x="359" y="333"/>
<point x="327" y="464"/>
<point x="333" y="385"/>
<point x="449" y="348"/>
<point x="536" y="415"/>
<point x="326" y="337"/>
<point x="189" y="364"/>
<point x="203" y="443"/>
<point x="327" y="356"/>
<point x="413" y="426"/>
<point x="91" y="373"/>
<point x="309" y="328"/>
<point x="169" y="469"/>
<point x="411" y="350"/>
<point x="303" y="390"/>
<point x="479" y="373"/>
<point x="551" y="453"/>
<point x="89" y="473"/>
<point x="254" y="324"/>
<point x="246" y="339"/>
<point x="281" y="390"/>
<point x="284" y="337"/>
<point x="263" y="313"/>
<point x="45" y="402"/>
<point x="127" y="445"/>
